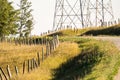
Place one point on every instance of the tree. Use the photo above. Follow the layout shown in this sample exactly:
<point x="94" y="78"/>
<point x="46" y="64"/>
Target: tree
<point x="8" y="18"/>
<point x="25" y="18"/>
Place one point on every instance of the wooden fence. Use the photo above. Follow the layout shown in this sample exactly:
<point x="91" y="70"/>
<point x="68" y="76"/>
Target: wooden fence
<point x="26" y="40"/>
<point x="30" y="64"/>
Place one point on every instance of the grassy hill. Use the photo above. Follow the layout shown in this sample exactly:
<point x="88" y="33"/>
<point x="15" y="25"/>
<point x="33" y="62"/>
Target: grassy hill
<point x="75" y="59"/>
<point x="92" y="31"/>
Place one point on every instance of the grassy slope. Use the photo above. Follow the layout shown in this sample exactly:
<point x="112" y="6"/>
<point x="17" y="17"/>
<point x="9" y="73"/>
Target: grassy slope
<point x="61" y="55"/>
<point x="109" y="64"/>
<point x="95" y="31"/>
<point x="61" y="65"/>
<point x="103" y="69"/>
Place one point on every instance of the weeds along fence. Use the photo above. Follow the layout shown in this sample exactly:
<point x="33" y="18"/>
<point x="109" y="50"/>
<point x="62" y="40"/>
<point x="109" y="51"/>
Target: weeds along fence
<point x="30" y="64"/>
<point x="27" y="40"/>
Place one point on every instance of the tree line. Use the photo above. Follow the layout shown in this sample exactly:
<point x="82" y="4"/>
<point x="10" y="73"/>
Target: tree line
<point x="15" y="21"/>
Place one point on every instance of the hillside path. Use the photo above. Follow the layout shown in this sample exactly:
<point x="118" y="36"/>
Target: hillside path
<point x="116" y="41"/>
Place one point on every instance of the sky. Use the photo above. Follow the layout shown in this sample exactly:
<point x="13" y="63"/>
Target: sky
<point x="43" y="13"/>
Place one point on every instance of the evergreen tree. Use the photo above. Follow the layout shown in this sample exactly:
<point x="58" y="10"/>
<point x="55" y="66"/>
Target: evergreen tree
<point x="25" y="18"/>
<point x="8" y="18"/>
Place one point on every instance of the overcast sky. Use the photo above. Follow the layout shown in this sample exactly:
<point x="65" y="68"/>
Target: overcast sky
<point x="44" y="11"/>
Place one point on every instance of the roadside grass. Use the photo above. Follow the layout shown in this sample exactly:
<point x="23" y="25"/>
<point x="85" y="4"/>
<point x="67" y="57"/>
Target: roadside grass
<point x="102" y="65"/>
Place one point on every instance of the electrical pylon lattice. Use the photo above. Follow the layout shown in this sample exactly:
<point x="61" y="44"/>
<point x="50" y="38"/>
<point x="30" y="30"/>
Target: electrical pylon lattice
<point x="82" y="13"/>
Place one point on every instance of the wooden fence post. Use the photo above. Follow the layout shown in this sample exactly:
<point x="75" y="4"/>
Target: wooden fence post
<point x="9" y="72"/>
<point x="53" y="44"/>
<point x="57" y="40"/>
<point x="41" y="41"/>
<point x="31" y="62"/>
<point x="50" y="47"/>
<point x="27" y="43"/>
<point x="28" y="65"/>
<point x="46" y="40"/>
<point x="16" y="70"/>
<point x="3" y="73"/>
<point x="35" y="41"/>
<point x="42" y="54"/>
<point x="38" y="41"/>
<point x="47" y="50"/>
<point x="24" y="67"/>
<point x="35" y="63"/>
<point x="31" y="41"/>
<point x="38" y="55"/>
<point x="1" y="77"/>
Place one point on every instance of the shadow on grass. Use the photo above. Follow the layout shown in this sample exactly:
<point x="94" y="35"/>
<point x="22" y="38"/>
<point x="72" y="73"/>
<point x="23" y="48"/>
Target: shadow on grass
<point x="78" y="67"/>
<point x="115" y="30"/>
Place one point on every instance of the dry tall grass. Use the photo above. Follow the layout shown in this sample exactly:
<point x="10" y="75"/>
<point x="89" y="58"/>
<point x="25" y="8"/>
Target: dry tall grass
<point x="64" y="52"/>
<point x="15" y="55"/>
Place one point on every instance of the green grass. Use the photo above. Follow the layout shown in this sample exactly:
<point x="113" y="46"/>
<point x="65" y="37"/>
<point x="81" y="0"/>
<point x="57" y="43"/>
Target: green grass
<point x="102" y="65"/>
<point x="78" y="58"/>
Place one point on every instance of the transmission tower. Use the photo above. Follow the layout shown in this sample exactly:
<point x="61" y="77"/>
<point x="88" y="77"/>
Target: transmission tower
<point x="99" y="12"/>
<point x="82" y="13"/>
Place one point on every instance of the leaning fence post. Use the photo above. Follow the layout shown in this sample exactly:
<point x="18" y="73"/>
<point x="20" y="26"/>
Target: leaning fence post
<point x="3" y="73"/>
<point x="38" y="55"/>
<point x="35" y="63"/>
<point x="16" y="70"/>
<point x="9" y="72"/>
<point x="1" y="77"/>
